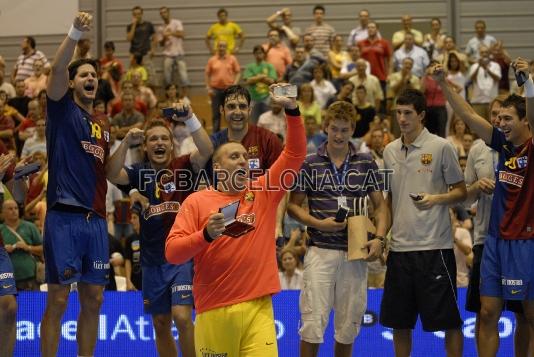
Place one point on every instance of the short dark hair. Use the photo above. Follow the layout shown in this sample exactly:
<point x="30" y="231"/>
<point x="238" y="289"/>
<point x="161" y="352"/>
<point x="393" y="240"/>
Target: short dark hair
<point x="518" y="102"/>
<point x="137" y="7"/>
<point x="73" y="67"/>
<point x="413" y="97"/>
<point x="318" y="7"/>
<point x="236" y="91"/>
<point x="31" y="41"/>
<point x="480" y="22"/>
<point x="221" y="10"/>
<point x="435" y="19"/>
<point x="109" y="45"/>
<point x="258" y="48"/>
<point x="163" y="8"/>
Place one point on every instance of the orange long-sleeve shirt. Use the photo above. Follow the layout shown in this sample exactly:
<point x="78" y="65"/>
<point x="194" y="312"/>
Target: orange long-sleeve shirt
<point x="229" y="270"/>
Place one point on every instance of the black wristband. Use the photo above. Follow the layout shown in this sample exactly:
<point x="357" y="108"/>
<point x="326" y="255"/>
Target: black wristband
<point x="207" y="237"/>
<point x="293" y="112"/>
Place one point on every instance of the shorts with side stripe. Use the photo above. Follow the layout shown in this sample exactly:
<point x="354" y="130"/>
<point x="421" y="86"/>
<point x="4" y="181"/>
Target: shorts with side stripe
<point x="421" y="283"/>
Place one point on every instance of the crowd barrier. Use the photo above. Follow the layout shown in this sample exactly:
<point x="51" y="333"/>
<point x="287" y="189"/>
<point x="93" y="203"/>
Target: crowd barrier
<point x="126" y="331"/>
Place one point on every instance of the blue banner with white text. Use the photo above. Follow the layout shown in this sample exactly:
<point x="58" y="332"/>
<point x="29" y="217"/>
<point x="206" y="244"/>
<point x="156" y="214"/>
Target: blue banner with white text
<point x="126" y="331"/>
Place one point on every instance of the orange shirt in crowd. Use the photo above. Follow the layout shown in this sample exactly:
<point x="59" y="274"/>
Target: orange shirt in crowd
<point x="279" y="56"/>
<point x="233" y="270"/>
<point x="222" y="72"/>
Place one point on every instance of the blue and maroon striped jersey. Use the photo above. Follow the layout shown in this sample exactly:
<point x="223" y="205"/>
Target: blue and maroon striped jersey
<point x="511" y="217"/>
<point x="77" y="144"/>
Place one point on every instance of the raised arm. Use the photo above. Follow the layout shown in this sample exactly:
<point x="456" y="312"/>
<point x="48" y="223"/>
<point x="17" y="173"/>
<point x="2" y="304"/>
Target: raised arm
<point x="461" y="108"/>
<point x="58" y="81"/>
<point x="521" y="65"/>
<point x="115" y="171"/>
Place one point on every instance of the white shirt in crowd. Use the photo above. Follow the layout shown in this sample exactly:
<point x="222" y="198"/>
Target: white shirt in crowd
<point x="293" y="283"/>
<point x="485" y="88"/>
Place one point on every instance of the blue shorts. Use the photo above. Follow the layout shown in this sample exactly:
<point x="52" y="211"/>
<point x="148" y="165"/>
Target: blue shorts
<point x="507" y="270"/>
<point x="76" y="248"/>
<point x="7" y="277"/>
<point x="167" y="285"/>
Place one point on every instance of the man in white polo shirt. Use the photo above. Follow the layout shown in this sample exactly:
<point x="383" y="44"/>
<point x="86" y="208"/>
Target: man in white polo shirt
<point x="421" y="269"/>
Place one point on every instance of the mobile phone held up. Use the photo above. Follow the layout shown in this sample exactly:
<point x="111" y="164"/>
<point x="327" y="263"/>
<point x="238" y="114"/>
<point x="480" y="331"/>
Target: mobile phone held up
<point x="416" y="197"/>
<point x="170" y="112"/>
<point x="520" y="77"/>
<point x="341" y="214"/>
<point x="289" y="91"/>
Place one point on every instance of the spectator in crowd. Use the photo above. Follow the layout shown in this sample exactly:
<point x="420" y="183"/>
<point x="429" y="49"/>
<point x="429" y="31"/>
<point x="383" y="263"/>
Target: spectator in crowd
<point x="449" y="47"/>
<point x="277" y="54"/>
<point x="481" y="38"/>
<point x="509" y="213"/>
<point x="344" y="94"/>
<point x="377" y="52"/>
<point x="171" y="37"/>
<point x="410" y="49"/>
<point x="136" y="66"/>
<point x="263" y="146"/>
<point x="274" y="120"/>
<point x="20" y="100"/>
<point x="71" y="121"/>
<point x="457" y="131"/>
<point x="6" y="86"/>
<point x="370" y="82"/>
<point x="456" y="77"/>
<point x="376" y="149"/>
<point x="82" y="50"/>
<point x="304" y="74"/>
<point x="37" y="81"/>
<point x="23" y="242"/>
<point x="468" y="141"/>
<point x="480" y="178"/>
<point x="365" y="112"/>
<point x="35" y="201"/>
<point x="128" y="87"/>
<point x="7" y="123"/>
<point x="434" y="42"/>
<point x="116" y="262"/>
<point x="140" y="34"/>
<point x="118" y="212"/>
<point x="502" y="58"/>
<point x="36" y="143"/>
<point x="308" y="106"/>
<point x="321" y="31"/>
<point x="431" y="170"/>
<point x="142" y="92"/>
<point x="243" y="276"/>
<point x="348" y="66"/>
<point x="8" y="291"/>
<point x="402" y="80"/>
<point x="24" y="65"/>
<point x="399" y="37"/>
<point x="314" y="135"/>
<point x="172" y="96"/>
<point x="104" y="92"/>
<point x="323" y="89"/>
<point x="290" y="274"/>
<point x="182" y="139"/>
<point x="166" y="288"/>
<point x="463" y="251"/>
<point x="309" y="46"/>
<point x="360" y="33"/>
<point x="329" y="278"/>
<point x="436" y="112"/>
<point x="221" y="72"/>
<point x="111" y="67"/>
<point x="26" y="128"/>
<point x="132" y="256"/>
<point x="224" y="31"/>
<point x="485" y="76"/>
<point x="336" y="56"/>
<point x="294" y="67"/>
<point x="289" y="34"/>
<point x="128" y="118"/>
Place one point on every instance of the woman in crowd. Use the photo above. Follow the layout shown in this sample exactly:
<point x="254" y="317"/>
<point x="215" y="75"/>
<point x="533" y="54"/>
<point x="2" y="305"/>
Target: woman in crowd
<point x="307" y="104"/>
<point x="291" y="275"/>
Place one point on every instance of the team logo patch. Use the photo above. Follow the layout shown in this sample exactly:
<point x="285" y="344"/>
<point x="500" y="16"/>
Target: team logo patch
<point x="68" y="273"/>
<point x="253" y="150"/>
<point x="249" y="196"/>
<point x="426" y="159"/>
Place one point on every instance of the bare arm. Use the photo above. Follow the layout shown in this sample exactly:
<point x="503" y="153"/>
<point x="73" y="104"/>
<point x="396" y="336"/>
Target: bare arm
<point x="461" y="108"/>
<point x="205" y="149"/>
<point x="130" y="35"/>
<point x="296" y="211"/>
<point x="58" y="80"/>
<point x="207" y="41"/>
<point x="382" y="213"/>
<point x="115" y="171"/>
<point x="521" y="64"/>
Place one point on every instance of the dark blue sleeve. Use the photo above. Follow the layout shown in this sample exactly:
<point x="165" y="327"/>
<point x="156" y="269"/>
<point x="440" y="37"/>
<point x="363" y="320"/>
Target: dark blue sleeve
<point x="134" y="176"/>
<point x="497" y="140"/>
<point x="59" y="110"/>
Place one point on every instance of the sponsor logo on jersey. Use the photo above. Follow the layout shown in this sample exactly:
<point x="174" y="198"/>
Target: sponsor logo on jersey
<point x="511" y="178"/>
<point x="94" y="150"/>
<point x="165" y="207"/>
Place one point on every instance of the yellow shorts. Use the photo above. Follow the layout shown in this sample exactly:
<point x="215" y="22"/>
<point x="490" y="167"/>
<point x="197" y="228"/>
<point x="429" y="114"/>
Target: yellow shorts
<point x="241" y="330"/>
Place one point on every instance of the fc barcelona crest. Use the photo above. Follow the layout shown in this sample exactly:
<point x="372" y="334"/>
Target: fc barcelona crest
<point x="426" y="159"/>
